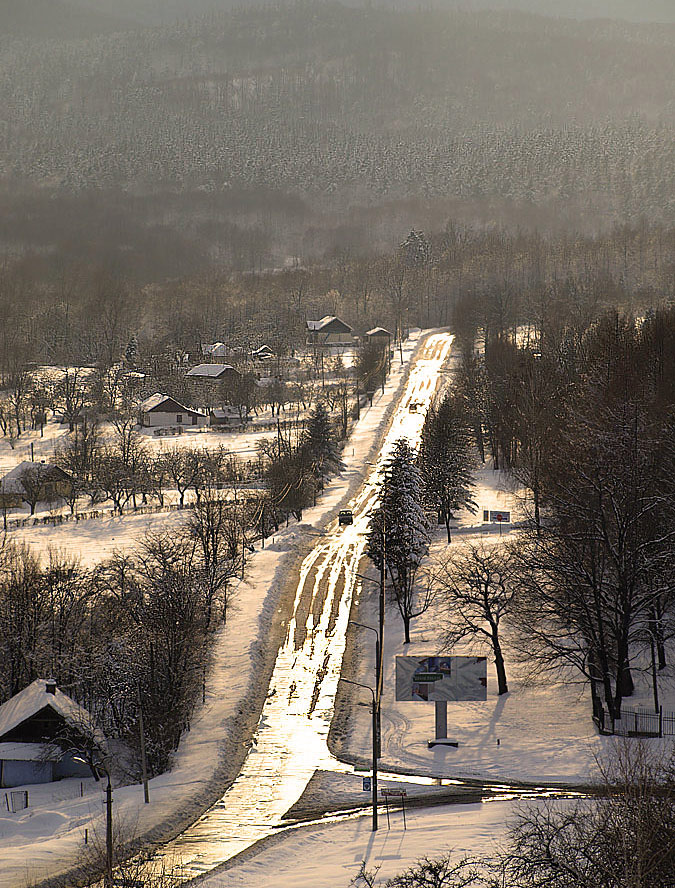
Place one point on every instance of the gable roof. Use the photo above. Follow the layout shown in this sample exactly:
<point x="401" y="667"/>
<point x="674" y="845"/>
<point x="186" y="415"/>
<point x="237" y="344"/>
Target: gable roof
<point x="329" y="324"/>
<point x="166" y="404"/>
<point x="210" y="371"/>
<point x="11" y="482"/>
<point x="378" y="331"/>
<point x="35" y="698"/>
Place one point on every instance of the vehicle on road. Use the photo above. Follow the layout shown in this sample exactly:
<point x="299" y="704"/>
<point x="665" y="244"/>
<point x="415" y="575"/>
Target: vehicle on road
<point x="346" y="516"/>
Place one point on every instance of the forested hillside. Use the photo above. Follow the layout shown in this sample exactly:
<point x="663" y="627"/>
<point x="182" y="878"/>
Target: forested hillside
<point x="344" y="115"/>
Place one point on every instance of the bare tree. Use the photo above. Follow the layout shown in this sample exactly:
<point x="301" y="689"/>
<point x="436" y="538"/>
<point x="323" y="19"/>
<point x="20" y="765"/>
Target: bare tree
<point x="474" y="592"/>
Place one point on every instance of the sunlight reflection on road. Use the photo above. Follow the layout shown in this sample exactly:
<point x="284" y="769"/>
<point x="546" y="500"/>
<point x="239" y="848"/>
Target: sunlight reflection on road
<point x="291" y="740"/>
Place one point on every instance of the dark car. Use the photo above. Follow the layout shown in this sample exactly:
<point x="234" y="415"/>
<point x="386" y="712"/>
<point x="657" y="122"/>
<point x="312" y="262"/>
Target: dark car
<point x="346" y="516"/>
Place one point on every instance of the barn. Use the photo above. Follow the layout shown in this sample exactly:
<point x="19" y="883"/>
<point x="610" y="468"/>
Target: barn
<point x="38" y="481"/>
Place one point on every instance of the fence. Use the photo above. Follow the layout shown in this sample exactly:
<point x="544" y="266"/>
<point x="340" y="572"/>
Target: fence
<point x="56" y="520"/>
<point x="636" y="723"/>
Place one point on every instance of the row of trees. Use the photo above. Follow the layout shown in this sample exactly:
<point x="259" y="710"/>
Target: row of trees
<point x="584" y="424"/>
<point x="586" y="429"/>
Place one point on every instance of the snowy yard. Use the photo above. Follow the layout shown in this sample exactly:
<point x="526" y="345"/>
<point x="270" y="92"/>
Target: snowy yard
<point x="541" y="731"/>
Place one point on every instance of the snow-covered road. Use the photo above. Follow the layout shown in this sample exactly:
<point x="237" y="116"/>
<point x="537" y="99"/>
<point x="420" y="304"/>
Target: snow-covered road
<point x="291" y="740"/>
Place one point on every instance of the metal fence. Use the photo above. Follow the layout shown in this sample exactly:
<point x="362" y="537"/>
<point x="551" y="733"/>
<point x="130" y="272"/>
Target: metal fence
<point x="636" y="723"/>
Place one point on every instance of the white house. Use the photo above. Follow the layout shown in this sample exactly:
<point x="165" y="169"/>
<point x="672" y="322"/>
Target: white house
<point x="160" y="411"/>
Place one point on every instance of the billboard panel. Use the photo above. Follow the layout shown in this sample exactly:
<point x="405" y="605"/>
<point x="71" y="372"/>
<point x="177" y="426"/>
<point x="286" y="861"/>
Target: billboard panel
<point x="454" y="679"/>
<point x="496" y="517"/>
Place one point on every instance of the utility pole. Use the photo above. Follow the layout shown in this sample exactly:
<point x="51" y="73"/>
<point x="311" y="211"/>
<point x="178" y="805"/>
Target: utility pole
<point x="108" y="877"/>
<point x="144" y="761"/>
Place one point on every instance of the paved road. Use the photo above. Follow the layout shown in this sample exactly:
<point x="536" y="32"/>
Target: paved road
<point x="290" y="743"/>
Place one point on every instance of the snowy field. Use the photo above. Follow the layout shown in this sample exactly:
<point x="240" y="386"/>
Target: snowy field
<point x="330" y="856"/>
<point x="46" y="838"/>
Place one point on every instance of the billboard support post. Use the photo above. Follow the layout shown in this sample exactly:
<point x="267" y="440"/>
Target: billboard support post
<point x="441" y="719"/>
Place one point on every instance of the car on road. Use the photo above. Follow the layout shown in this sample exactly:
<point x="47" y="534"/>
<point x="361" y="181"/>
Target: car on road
<point x="346" y="516"/>
<point x="413" y="406"/>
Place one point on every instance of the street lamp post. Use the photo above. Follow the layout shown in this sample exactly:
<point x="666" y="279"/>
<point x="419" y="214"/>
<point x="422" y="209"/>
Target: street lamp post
<point x="378" y="683"/>
<point x="380" y="657"/>
<point x="374" y="712"/>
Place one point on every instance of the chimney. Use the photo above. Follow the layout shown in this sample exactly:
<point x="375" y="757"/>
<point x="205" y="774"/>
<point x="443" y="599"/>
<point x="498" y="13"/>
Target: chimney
<point x="50" y="686"/>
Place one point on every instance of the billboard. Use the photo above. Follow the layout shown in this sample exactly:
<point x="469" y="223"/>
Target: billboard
<point x="492" y="517"/>
<point x="454" y="679"/>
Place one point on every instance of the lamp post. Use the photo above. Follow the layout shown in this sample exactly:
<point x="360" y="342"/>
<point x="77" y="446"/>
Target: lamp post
<point x="374" y="712"/>
<point x="108" y="877"/>
<point x="380" y="632"/>
<point x="378" y="683"/>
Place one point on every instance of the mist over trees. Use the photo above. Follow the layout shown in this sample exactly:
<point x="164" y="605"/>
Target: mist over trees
<point x="250" y="136"/>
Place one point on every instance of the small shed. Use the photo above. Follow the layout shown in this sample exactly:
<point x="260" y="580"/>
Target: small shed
<point x="228" y="417"/>
<point x="215" y="350"/>
<point x="33" y="481"/>
<point x="264" y="353"/>
<point x="160" y="411"/>
<point x="378" y="334"/>
<point x="42" y="734"/>
<point x="329" y="330"/>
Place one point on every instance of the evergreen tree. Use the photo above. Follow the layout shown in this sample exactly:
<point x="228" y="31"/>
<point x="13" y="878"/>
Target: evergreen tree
<point x="446" y="461"/>
<point x="131" y="353"/>
<point x="320" y="443"/>
<point x="399" y="532"/>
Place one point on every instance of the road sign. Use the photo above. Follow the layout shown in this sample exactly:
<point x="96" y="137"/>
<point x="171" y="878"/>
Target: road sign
<point x="367" y="784"/>
<point x="461" y="678"/>
<point x="399" y="793"/>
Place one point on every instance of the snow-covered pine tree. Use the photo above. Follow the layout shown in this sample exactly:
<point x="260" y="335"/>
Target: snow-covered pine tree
<point x="131" y="353"/>
<point x="399" y="526"/>
<point x="320" y="443"/>
<point x="446" y="461"/>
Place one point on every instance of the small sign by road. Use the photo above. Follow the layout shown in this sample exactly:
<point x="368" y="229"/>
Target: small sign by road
<point x="367" y="784"/>
<point x="399" y="793"/>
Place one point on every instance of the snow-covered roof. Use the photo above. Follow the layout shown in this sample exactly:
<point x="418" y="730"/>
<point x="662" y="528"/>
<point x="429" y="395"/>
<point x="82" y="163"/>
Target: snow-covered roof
<point x="328" y="321"/>
<point x="210" y="371"/>
<point x="29" y="752"/>
<point x="215" y="348"/>
<point x="168" y="405"/>
<point x="11" y="482"/>
<point x="153" y="401"/>
<point x="378" y="331"/>
<point x="228" y="411"/>
<point x="35" y="697"/>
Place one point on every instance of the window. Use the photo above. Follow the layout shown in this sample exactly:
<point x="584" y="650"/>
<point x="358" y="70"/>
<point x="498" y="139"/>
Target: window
<point x="179" y="418"/>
